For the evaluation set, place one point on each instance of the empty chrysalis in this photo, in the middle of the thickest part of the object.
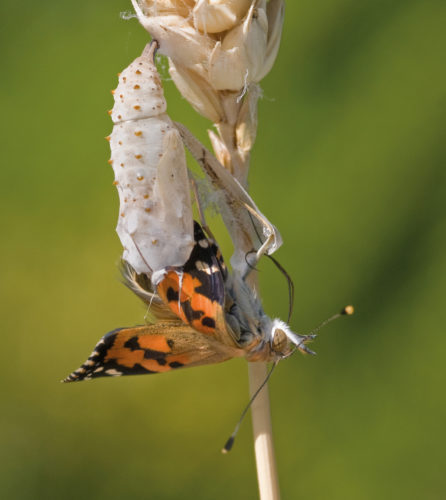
(155, 221)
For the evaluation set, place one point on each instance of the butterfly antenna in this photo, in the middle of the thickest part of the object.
(279, 267)
(346, 311)
(290, 285)
(230, 442)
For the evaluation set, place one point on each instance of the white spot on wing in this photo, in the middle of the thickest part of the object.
(113, 372)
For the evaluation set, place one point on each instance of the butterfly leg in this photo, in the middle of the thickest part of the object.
(266, 245)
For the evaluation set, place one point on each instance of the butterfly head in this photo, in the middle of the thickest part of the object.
(284, 342)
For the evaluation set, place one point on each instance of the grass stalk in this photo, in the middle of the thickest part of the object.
(263, 438)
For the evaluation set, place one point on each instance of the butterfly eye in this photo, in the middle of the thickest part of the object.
(279, 341)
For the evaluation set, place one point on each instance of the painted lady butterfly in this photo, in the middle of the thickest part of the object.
(204, 315)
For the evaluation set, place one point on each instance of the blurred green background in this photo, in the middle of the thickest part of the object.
(349, 164)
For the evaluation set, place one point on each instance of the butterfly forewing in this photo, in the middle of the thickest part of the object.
(151, 349)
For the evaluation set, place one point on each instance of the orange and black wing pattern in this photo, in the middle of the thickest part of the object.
(195, 292)
(151, 349)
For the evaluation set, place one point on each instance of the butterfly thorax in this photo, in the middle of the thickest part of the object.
(261, 338)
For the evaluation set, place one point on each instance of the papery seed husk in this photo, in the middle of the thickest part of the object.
(215, 16)
(196, 90)
(255, 28)
(246, 127)
(227, 69)
(176, 37)
(220, 149)
(163, 7)
(237, 60)
(276, 13)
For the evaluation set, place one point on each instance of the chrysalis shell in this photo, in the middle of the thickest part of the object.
(155, 222)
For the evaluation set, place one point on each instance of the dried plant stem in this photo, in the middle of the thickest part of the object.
(238, 165)
(263, 438)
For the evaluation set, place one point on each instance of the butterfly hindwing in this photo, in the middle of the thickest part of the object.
(151, 349)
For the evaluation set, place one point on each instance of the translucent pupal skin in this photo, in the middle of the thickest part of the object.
(155, 222)
(248, 227)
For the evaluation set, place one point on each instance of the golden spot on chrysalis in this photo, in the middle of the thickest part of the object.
(136, 87)
(138, 133)
(122, 214)
(137, 107)
(120, 143)
(122, 164)
(147, 210)
(145, 196)
(112, 92)
(115, 183)
(110, 111)
(110, 162)
(140, 177)
(119, 74)
(138, 72)
(154, 242)
(138, 157)
(107, 138)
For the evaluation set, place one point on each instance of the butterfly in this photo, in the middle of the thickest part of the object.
(203, 314)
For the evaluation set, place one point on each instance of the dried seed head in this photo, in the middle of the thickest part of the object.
(243, 52)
